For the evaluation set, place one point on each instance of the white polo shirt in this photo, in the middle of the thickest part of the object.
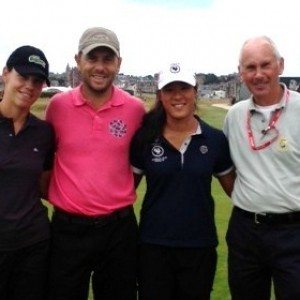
(268, 180)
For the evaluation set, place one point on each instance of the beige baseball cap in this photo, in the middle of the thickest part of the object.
(98, 37)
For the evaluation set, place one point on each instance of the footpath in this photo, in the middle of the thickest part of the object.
(222, 105)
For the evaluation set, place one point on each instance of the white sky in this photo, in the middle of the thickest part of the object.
(205, 34)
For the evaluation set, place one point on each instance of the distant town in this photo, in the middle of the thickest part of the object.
(210, 86)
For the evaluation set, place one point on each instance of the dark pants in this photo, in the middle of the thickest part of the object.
(167, 273)
(102, 251)
(260, 254)
(23, 272)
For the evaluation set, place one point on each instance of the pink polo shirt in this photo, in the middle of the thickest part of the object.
(92, 173)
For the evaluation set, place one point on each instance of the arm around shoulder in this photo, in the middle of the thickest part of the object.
(227, 182)
(137, 179)
(44, 184)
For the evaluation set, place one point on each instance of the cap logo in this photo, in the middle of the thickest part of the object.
(37, 60)
(175, 68)
(99, 37)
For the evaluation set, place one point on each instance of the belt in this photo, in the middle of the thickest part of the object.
(271, 218)
(94, 220)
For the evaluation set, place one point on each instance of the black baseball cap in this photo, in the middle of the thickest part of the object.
(28, 60)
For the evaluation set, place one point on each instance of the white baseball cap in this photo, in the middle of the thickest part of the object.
(176, 72)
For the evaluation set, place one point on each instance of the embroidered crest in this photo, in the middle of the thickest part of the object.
(117, 128)
(157, 151)
(37, 60)
(203, 149)
(174, 68)
(158, 154)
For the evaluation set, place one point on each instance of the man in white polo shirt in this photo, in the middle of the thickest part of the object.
(264, 137)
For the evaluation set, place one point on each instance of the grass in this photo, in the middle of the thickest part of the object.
(213, 116)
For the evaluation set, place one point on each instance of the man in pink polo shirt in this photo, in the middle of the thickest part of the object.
(91, 188)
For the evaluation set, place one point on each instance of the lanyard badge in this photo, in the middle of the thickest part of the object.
(270, 129)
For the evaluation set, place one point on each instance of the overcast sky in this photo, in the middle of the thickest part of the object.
(205, 34)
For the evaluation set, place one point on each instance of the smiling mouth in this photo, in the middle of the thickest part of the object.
(260, 83)
(178, 105)
(98, 76)
(26, 95)
(260, 86)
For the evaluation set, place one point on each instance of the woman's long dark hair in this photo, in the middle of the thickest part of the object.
(152, 126)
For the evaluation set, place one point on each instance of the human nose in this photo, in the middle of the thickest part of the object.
(33, 82)
(99, 65)
(30, 83)
(177, 93)
(258, 72)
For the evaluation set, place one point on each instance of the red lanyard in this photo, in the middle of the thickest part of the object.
(270, 127)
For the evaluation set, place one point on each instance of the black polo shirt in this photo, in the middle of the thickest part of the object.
(178, 208)
(23, 157)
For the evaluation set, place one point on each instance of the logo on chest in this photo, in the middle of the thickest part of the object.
(117, 128)
(158, 153)
(203, 149)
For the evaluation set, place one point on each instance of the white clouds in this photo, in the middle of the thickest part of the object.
(207, 38)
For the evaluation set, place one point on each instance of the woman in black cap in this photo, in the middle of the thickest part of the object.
(26, 154)
(178, 153)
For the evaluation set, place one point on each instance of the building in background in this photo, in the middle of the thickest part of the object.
(293, 83)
